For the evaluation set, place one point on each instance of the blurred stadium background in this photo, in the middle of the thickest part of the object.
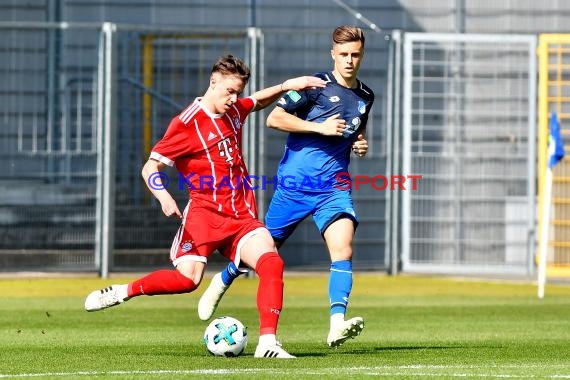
(464, 92)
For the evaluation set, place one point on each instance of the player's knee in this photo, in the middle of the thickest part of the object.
(270, 264)
(186, 284)
(191, 270)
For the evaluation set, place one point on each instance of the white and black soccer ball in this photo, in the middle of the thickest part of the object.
(225, 336)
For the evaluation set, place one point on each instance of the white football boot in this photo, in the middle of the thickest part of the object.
(341, 331)
(107, 297)
(273, 351)
(211, 297)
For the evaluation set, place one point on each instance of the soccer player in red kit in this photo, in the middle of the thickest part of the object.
(204, 143)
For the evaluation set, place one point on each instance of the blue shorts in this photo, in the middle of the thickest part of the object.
(288, 208)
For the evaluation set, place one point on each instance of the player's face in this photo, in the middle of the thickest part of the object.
(226, 90)
(347, 58)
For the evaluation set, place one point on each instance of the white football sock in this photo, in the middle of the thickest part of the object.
(336, 319)
(122, 291)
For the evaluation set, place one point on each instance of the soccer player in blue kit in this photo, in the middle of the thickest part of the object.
(324, 125)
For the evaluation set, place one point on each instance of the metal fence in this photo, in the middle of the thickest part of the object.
(469, 129)
(48, 129)
(82, 104)
(305, 54)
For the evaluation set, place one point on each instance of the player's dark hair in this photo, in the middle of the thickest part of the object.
(231, 65)
(347, 33)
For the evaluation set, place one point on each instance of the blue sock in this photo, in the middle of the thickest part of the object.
(230, 273)
(340, 285)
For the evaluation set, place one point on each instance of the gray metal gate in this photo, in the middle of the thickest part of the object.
(469, 130)
(80, 106)
(49, 112)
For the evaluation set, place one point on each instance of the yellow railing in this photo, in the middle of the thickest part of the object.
(148, 82)
(554, 96)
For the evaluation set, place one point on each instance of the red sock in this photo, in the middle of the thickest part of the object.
(161, 282)
(269, 268)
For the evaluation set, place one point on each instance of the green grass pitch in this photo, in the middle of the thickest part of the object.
(416, 327)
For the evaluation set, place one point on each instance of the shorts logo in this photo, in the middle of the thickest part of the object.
(334, 99)
(361, 106)
(186, 246)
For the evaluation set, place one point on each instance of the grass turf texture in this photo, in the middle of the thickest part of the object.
(416, 327)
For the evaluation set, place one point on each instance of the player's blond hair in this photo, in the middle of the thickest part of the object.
(347, 33)
(231, 65)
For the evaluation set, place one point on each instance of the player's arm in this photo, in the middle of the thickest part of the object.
(284, 121)
(152, 179)
(268, 95)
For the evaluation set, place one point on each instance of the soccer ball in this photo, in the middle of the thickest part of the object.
(225, 336)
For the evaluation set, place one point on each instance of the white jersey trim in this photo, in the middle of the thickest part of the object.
(181, 259)
(187, 115)
(212, 168)
(159, 157)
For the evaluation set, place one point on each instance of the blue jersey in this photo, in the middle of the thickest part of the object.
(312, 161)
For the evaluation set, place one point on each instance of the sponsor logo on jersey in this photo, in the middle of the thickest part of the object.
(361, 106)
(282, 101)
(294, 96)
(334, 99)
(186, 246)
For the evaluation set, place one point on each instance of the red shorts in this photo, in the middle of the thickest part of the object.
(204, 231)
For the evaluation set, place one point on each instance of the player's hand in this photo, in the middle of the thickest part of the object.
(302, 83)
(360, 146)
(170, 208)
(333, 126)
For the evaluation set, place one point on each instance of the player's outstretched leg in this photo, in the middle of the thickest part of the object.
(155, 283)
(215, 291)
(107, 297)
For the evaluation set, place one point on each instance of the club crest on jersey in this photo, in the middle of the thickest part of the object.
(237, 123)
(361, 106)
(334, 99)
(186, 246)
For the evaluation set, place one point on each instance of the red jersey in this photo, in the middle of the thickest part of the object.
(206, 150)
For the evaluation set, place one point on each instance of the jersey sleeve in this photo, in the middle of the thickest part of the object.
(298, 101)
(369, 101)
(174, 144)
(245, 106)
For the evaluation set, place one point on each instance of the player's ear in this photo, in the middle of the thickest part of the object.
(332, 54)
(213, 80)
